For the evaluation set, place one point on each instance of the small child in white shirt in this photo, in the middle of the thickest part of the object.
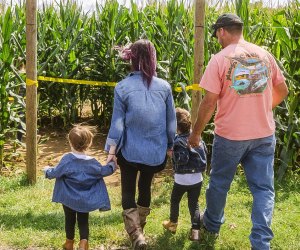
(188, 165)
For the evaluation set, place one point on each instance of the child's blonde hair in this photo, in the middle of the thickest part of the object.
(81, 137)
(184, 122)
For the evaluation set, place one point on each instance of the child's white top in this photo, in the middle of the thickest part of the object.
(82, 156)
(188, 179)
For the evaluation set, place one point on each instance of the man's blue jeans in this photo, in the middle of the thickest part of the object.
(257, 159)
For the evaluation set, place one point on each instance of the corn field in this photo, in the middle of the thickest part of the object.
(79, 45)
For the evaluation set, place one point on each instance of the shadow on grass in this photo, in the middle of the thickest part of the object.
(161, 192)
(29, 220)
(283, 189)
(13, 183)
(169, 241)
(51, 221)
(227, 248)
(112, 219)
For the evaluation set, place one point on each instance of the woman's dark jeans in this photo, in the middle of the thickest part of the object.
(129, 172)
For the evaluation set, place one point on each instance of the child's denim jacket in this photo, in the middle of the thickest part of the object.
(79, 183)
(188, 160)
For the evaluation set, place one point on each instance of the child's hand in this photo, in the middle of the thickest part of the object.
(45, 169)
(115, 167)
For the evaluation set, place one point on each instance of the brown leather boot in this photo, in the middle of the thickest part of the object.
(133, 227)
(143, 213)
(83, 245)
(68, 245)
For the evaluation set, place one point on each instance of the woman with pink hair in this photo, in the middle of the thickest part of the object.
(142, 130)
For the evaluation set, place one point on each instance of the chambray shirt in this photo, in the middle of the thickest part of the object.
(79, 183)
(143, 123)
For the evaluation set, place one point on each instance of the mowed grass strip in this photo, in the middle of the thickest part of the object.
(29, 220)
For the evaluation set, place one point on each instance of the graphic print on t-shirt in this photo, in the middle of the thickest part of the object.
(248, 73)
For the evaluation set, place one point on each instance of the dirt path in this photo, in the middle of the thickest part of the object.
(52, 145)
(52, 150)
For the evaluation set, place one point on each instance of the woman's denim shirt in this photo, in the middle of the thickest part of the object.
(79, 183)
(143, 123)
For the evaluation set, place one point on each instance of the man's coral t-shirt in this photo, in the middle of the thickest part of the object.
(243, 75)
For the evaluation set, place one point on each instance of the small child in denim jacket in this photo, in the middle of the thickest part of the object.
(188, 165)
(79, 185)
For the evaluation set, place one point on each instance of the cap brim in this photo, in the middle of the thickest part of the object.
(214, 27)
(214, 34)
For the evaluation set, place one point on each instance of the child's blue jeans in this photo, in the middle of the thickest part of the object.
(257, 159)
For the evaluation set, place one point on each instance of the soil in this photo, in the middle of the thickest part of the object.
(52, 144)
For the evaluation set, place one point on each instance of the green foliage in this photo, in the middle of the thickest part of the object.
(288, 54)
(60, 55)
(281, 38)
(9, 78)
(78, 45)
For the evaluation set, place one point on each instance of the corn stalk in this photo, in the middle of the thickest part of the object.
(78, 45)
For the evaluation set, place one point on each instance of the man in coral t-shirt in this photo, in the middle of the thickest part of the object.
(245, 83)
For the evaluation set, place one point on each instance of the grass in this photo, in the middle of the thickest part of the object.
(29, 220)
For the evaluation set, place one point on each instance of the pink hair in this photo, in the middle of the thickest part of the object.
(143, 58)
(124, 52)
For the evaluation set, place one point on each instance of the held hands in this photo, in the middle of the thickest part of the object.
(112, 158)
(45, 169)
(194, 140)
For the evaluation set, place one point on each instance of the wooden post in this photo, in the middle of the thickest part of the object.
(31, 90)
(198, 54)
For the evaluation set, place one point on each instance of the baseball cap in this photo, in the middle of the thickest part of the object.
(224, 20)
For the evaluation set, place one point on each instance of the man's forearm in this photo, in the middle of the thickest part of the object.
(205, 113)
(277, 99)
(280, 92)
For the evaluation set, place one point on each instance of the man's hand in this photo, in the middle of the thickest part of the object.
(194, 140)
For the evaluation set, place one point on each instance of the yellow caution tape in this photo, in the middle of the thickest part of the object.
(30, 82)
(74, 81)
(194, 86)
(110, 84)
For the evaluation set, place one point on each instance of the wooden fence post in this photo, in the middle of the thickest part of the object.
(198, 54)
(31, 90)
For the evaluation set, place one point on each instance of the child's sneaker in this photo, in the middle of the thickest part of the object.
(171, 226)
(194, 235)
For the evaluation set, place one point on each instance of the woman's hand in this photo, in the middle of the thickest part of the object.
(111, 157)
(170, 152)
